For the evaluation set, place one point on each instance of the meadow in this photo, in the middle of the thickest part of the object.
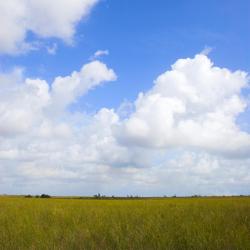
(167, 223)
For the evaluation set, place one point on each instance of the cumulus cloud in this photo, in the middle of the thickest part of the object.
(181, 136)
(57, 19)
(41, 138)
(26, 102)
(195, 104)
(66, 90)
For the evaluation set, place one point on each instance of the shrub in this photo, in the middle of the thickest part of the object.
(45, 196)
(28, 196)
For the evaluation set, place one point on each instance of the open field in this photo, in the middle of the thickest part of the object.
(170, 223)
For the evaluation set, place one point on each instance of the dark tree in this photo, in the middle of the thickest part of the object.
(45, 196)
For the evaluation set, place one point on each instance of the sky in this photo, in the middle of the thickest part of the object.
(128, 97)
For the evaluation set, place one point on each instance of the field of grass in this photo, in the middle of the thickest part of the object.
(171, 223)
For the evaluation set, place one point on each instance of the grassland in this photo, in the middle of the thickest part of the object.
(171, 223)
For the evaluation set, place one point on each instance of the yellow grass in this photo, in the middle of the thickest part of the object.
(172, 223)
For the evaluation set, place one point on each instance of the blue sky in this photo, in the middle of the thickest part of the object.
(143, 40)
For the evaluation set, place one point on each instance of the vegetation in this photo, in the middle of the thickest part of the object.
(45, 196)
(167, 223)
(37, 196)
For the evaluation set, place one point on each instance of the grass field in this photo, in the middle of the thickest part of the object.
(171, 223)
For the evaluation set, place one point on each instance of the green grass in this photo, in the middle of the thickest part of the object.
(178, 223)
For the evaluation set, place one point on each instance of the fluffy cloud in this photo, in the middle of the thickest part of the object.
(57, 18)
(181, 136)
(28, 102)
(65, 90)
(41, 138)
(195, 104)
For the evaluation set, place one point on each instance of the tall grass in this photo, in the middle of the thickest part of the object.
(179, 223)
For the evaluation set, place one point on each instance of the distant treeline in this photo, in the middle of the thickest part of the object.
(99, 196)
(38, 196)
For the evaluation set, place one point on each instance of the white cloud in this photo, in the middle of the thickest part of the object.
(52, 49)
(41, 139)
(99, 53)
(195, 104)
(206, 51)
(27, 102)
(57, 19)
(66, 90)
(180, 137)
